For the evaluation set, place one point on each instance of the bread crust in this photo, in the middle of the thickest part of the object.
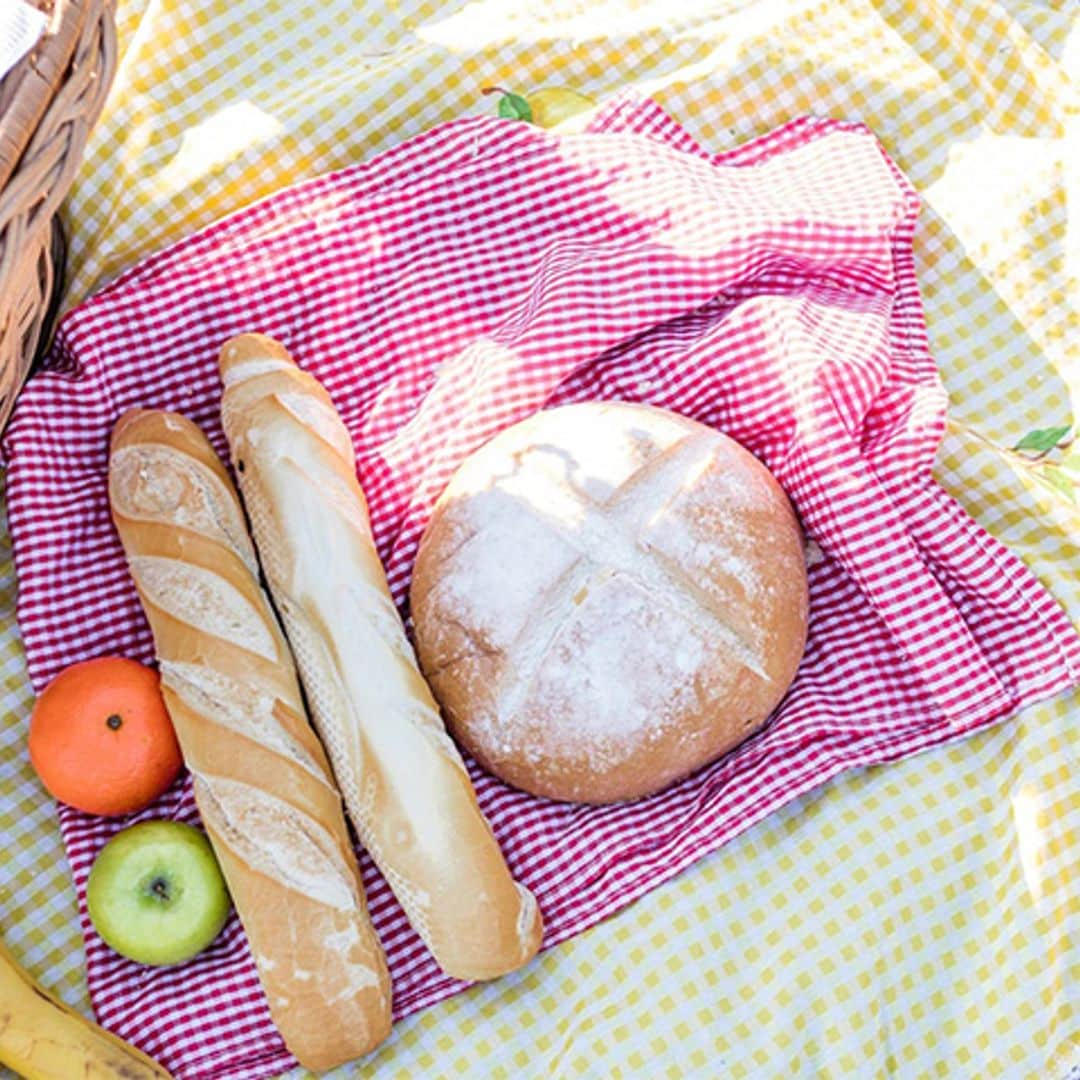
(405, 786)
(607, 597)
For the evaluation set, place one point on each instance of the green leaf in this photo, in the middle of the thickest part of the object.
(514, 107)
(1052, 477)
(1043, 439)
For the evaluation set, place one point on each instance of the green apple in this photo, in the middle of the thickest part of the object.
(156, 894)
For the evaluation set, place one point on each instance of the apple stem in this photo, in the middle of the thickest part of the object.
(114, 722)
(160, 888)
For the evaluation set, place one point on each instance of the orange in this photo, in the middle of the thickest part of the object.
(101, 739)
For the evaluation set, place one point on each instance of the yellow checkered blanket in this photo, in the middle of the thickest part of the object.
(917, 920)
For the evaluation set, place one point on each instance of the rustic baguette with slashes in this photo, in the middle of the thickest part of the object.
(262, 782)
(404, 783)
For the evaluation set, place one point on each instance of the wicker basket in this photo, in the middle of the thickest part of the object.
(48, 103)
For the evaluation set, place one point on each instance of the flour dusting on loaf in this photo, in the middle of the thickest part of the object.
(275, 839)
(607, 597)
(320, 418)
(243, 708)
(153, 482)
(203, 598)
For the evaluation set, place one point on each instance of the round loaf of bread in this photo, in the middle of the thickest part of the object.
(607, 597)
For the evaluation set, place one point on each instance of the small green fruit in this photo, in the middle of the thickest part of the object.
(156, 894)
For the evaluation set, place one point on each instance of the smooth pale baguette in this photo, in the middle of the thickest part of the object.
(405, 786)
(262, 782)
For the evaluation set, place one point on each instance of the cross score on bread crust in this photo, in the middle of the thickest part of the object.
(607, 596)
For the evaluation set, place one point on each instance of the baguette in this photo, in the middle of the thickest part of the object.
(405, 786)
(262, 782)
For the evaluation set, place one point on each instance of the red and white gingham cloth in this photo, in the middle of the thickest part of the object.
(454, 285)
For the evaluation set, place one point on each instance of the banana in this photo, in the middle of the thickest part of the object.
(42, 1039)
